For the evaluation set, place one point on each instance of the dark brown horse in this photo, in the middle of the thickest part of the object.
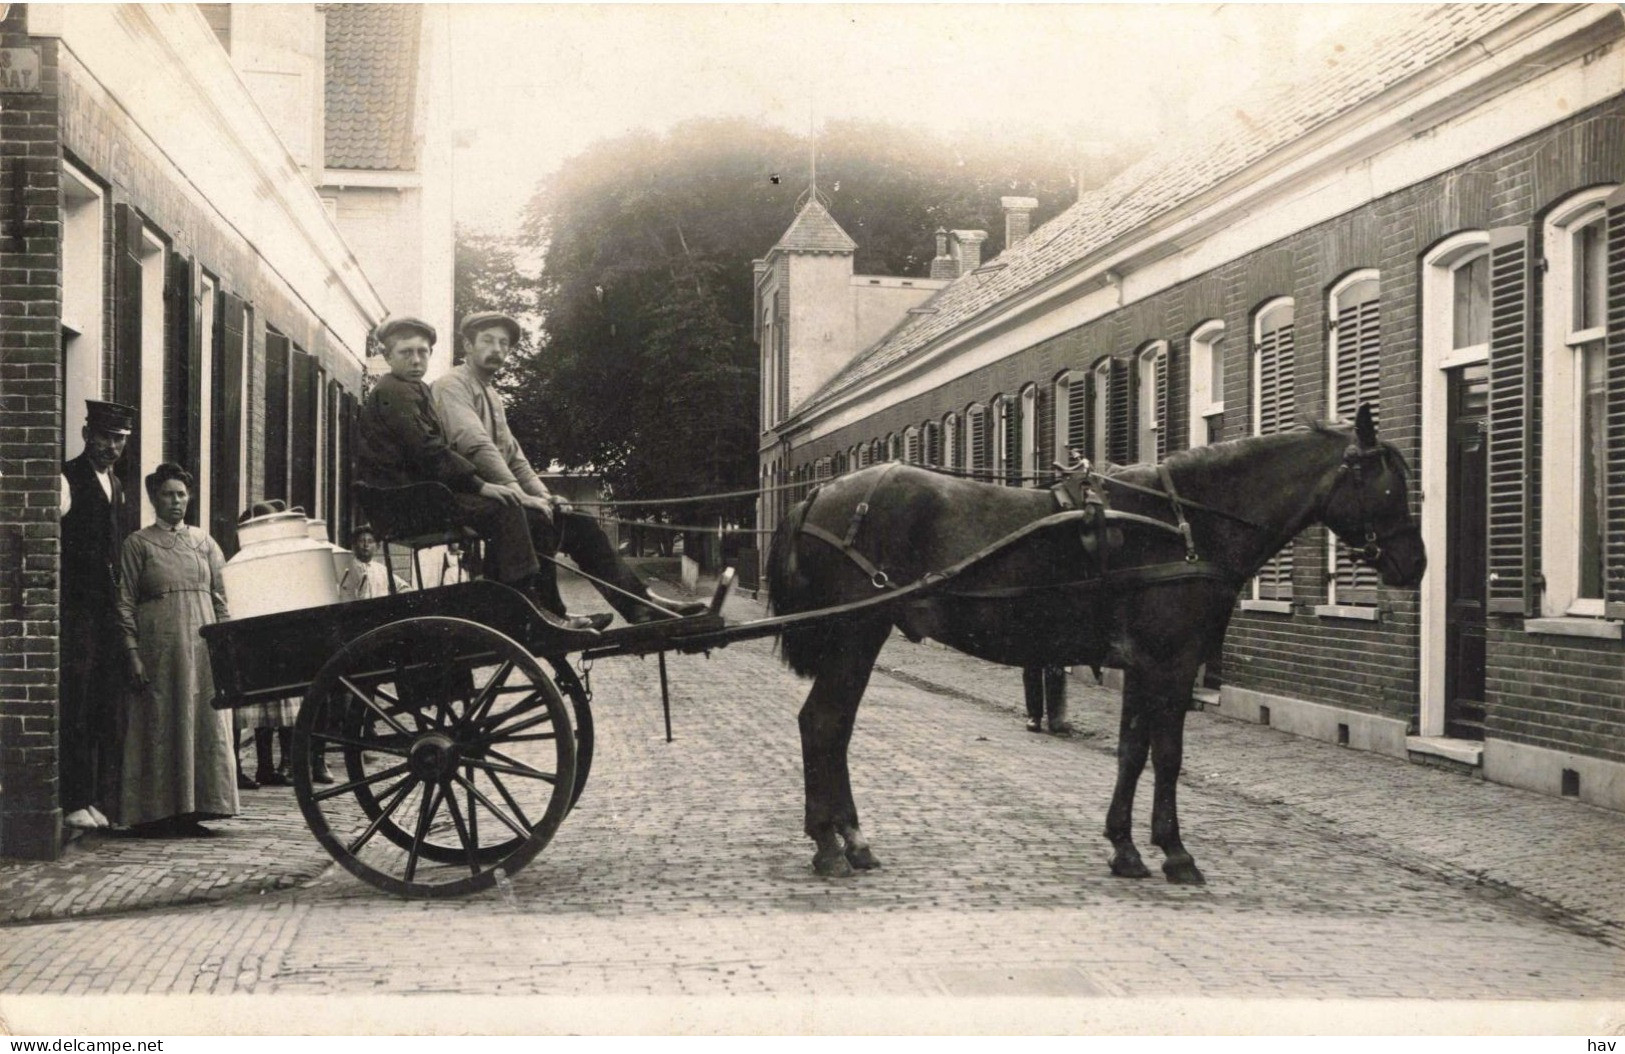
(1148, 600)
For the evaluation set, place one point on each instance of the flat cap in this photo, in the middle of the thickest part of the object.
(113, 418)
(475, 321)
(394, 324)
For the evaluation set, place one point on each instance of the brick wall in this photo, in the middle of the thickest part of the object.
(30, 457)
(1372, 666)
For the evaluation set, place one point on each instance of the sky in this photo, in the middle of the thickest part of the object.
(533, 85)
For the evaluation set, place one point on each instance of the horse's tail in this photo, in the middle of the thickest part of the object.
(789, 591)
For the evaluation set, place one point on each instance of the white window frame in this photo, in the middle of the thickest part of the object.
(208, 297)
(998, 449)
(1145, 362)
(1206, 397)
(950, 438)
(1256, 417)
(1439, 355)
(1334, 308)
(1561, 399)
(150, 422)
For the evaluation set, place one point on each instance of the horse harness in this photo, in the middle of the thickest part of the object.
(1079, 501)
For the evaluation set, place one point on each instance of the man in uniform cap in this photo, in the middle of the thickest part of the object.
(93, 663)
(477, 428)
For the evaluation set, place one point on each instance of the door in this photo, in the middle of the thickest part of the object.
(1465, 565)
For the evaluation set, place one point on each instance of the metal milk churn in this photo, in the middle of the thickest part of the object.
(341, 556)
(280, 567)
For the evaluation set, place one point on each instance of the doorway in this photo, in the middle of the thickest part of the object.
(1465, 557)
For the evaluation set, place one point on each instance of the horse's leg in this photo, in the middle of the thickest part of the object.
(826, 722)
(1133, 739)
(1167, 754)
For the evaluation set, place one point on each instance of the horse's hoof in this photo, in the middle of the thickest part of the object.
(832, 865)
(1183, 872)
(862, 858)
(1129, 867)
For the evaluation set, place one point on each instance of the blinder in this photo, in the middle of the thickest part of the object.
(1355, 459)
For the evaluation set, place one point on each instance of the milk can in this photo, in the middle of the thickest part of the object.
(341, 557)
(280, 567)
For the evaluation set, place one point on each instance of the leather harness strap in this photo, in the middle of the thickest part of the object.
(1179, 512)
(878, 578)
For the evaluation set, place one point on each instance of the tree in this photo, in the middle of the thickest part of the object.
(646, 369)
(491, 274)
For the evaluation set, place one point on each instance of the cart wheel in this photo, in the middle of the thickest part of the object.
(459, 757)
(568, 683)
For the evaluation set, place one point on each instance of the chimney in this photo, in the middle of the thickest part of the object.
(967, 249)
(942, 266)
(1018, 219)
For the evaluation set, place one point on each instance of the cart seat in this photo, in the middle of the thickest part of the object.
(415, 517)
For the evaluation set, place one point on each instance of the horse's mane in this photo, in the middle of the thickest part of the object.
(1220, 455)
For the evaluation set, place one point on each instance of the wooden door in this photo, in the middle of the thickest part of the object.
(1466, 550)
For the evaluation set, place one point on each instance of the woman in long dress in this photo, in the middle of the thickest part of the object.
(178, 750)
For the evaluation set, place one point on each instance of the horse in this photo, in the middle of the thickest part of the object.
(1149, 590)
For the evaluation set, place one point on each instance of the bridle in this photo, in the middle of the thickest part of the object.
(1356, 458)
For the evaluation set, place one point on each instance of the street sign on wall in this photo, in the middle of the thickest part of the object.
(19, 70)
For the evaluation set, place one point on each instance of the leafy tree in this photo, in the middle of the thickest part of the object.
(646, 368)
(491, 274)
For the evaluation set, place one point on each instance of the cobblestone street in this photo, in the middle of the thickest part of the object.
(683, 872)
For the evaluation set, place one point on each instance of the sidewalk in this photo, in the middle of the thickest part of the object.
(1555, 856)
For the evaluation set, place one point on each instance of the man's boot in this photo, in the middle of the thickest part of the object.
(265, 773)
(1032, 685)
(318, 765)
(1055, 700)
(284, 740)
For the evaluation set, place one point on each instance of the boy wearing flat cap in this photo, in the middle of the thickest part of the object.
(477, 428)
(93, 666)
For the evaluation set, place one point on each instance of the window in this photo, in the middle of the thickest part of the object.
(976, 449)
(150, 425)
(1152, 366)
(911, 445)
(1024, 465)
(931, 440)
(1207, 384)
(1353, 355)
(1000, 446)
(951, 454)
(1071, 416)
(1274, 406)
(894, 449)
(1574, 421)
(1100, 411)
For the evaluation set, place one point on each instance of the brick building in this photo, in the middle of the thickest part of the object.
(164, 244)
(1431, 221)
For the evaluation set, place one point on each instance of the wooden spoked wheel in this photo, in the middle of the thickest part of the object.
(565, 679)
(459, 758)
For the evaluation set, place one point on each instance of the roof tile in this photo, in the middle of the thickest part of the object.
(372, 61)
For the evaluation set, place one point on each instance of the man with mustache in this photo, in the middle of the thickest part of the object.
(92, 659)
(477, 428)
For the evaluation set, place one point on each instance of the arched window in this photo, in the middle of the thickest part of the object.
(976, 445)
(1151, 401)
(1071, 415)
(911, 445)
(952, 457)
(1024, 465)
(1274, 407)
(1207, 383)
(1574, 406)
(1353, 357)
(1100, 411)
(894, 448)
(931, 443)
(999, 438)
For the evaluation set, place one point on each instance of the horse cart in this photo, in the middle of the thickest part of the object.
(465, 733)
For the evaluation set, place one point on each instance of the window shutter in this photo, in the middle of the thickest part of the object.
(911, 446)
(302, 432)
(1164, 421)
(182, 402)
(276, 416)
(225, 466)
(1012, 441)
(1358, 347)
(1077, 412)
(335, 454)
(1276, 408)
(349, 416)
(1044, 429)
(978, 440)
(127, 347)
(933, 443)
(1120, 406)
(1090, 382)
(1514, 501)
(1614, 583)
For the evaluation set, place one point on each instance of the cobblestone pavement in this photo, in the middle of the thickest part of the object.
(1332, 874)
